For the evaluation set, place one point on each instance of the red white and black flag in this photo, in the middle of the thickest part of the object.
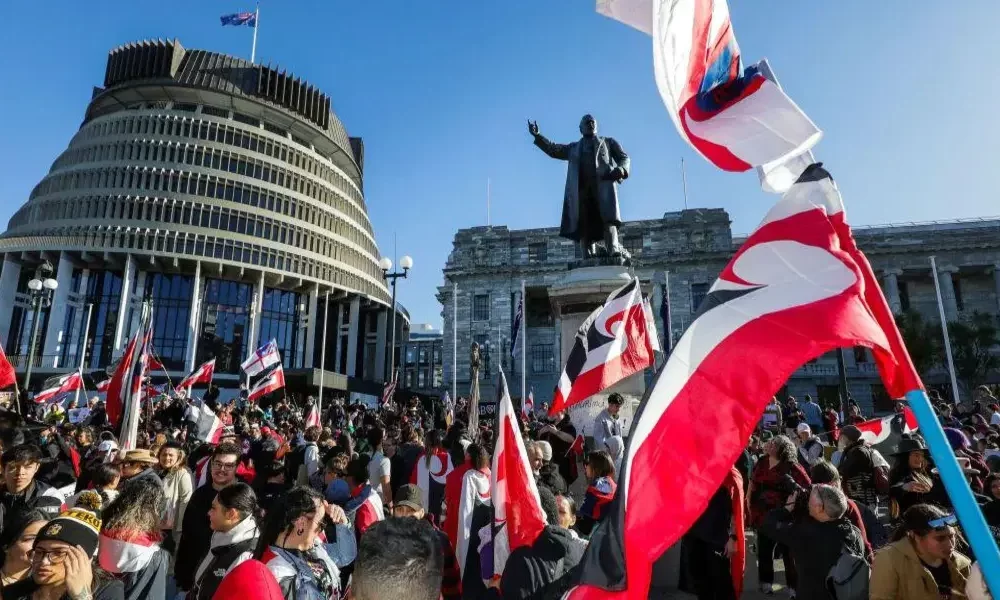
(616, 341)
(798, 287)
(273, 381)
(56, 386)
(124, 401)
(312, 417)
(388, 391)
(203, 374)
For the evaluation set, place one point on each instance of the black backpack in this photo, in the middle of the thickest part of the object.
(293, 460)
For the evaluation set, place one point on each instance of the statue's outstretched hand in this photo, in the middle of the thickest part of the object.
(533, 128)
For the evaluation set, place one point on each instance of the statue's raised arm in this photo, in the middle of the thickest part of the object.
(556, 151)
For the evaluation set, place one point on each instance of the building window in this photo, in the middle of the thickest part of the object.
(411, 355)
(224, 324)
(633, 244)
(104, 289)
(698, 293)
(860, 355)
(423, 355)
(421, 379)
(171, 296)
(538, 252)
(904, 296)
(957, 284)
(481, 307)
(280, 321)
(542, 359)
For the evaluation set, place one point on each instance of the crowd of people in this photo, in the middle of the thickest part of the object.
(279, 509)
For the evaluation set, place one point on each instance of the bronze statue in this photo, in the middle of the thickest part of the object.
(590, 203)
(474, 363)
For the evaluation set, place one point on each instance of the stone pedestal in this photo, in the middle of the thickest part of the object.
(573, 298)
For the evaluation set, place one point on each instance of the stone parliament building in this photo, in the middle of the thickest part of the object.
(689, 248)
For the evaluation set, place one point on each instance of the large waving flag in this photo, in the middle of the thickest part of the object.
(518, 518)
(203, 374)
(797, 288)
(616, 341)
(7, 376)
(737, 118)
(243, 18)
(124, 400)
(56, 386)
(274, 381)
(262, 358)
(210, 426)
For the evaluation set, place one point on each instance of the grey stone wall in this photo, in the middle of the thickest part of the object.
(689, 248)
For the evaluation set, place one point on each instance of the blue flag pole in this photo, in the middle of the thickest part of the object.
(966, 507)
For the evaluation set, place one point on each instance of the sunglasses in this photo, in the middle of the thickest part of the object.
(945, 521)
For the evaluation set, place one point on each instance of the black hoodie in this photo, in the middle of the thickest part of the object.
(543, 570)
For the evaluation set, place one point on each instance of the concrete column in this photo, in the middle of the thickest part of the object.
(996, 285)
(10, 273)
(79, 321)
(311, 325)
(137, 297)
(945, 275)
(890, 282)
(381, 330)
(197, 289)
(56, 333)
(340, 332)
(257, 304)
(123, 304)
(352, 337)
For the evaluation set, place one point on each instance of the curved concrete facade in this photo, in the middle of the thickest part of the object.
(202, 166)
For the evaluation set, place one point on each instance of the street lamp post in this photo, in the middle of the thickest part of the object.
(406, 263)
(40, 290)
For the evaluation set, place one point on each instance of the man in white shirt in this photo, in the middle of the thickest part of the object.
(608, 423)
(379, 468)
(995, 417)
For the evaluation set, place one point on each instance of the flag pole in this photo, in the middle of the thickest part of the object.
(944, 330)
(83, 348)
(454, 342)
(966, 507)
(524, 344)
(256, 24)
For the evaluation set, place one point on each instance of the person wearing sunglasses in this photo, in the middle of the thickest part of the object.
(921, 563)
(62, 560)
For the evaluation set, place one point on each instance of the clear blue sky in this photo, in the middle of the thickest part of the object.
(440, 91)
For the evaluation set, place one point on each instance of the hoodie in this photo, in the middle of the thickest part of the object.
(227, 551)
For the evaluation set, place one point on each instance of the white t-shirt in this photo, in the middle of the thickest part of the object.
(995, 419)
(378, 468)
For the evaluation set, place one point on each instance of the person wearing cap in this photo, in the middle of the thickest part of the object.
(857, 467)
(62, 560)
(608, 421)
(810, 446)
(921, 563)
(408, 503)
(910, 480)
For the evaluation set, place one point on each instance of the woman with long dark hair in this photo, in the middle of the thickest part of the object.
(775, 478)
(600, 472)
(921, 563)
(910, 480)
(290, 546)
(234, 538)
(16, 542)
(130, 539)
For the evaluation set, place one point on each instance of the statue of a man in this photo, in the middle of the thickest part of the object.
(590, 203)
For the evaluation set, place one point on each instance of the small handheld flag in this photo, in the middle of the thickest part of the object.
(264, 357)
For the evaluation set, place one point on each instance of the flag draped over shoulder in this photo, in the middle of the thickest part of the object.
(797, 288)
(616, 341)
(736, 117)
(518, 518)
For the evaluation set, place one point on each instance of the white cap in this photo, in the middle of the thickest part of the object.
(803, 428)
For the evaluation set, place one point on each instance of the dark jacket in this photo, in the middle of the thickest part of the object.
(196, 536)
(33, 497)
(550, 477)
(543, 570)
(857, 471)
(23, 590)
(150, 582)
(815, 547)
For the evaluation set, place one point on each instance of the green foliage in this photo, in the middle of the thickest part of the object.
(922, 339)
(972, 341)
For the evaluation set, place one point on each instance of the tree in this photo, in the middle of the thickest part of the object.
(922, 339)
(972, 342)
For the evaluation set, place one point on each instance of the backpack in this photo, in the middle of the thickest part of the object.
(848, 577)
(293, 461)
